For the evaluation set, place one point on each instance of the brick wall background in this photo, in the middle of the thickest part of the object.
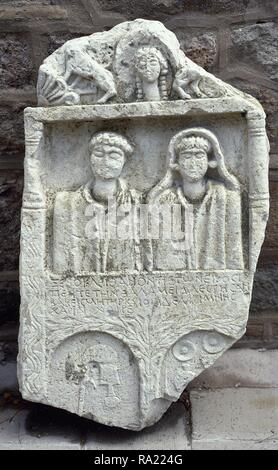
(237, 40)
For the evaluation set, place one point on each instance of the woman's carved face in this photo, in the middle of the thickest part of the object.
(148, 67)
(107, 161)
(193, 163)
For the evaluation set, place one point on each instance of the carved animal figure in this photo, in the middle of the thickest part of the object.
(187, 81)
(82, 65)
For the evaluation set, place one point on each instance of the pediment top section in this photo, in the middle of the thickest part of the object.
(136, 61)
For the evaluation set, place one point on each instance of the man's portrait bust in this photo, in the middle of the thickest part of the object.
(77, 243)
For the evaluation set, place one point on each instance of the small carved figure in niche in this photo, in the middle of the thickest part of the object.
(101, 370)
(186, 84)
(78, 241)
(151, 74)
(212, 199)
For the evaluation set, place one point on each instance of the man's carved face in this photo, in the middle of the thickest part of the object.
(107, 161)
(193, 163)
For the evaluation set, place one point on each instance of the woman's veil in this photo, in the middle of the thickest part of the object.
(217, 158)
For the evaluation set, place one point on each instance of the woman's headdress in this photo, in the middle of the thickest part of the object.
(195, 136)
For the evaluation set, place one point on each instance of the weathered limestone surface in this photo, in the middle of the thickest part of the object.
(115, 322)
(206, 31)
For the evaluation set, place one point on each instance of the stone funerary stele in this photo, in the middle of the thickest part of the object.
(144, 211)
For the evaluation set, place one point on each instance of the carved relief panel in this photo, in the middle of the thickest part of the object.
(142, 223)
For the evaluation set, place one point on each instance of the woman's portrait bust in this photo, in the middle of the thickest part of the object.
(198, 179)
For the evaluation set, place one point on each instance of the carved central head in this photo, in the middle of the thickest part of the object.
(192, 157)
(108, 153)
(149, 62)
(151, 68)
